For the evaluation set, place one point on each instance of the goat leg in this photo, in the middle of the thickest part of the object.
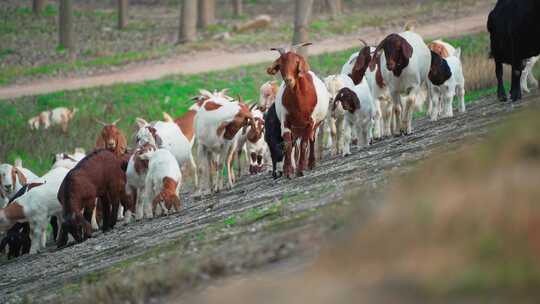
(501, 93)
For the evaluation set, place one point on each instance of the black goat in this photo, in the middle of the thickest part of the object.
(272, 136)
(514, 28)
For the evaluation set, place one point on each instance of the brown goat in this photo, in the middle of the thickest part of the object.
(112, 139)
(99, 175)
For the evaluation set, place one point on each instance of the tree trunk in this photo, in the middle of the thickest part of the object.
(38, 6)
(237, 8)
(122, 13)
(188, 21)
(334, 7)
(65, 24)
(301, 17)
(207, 13)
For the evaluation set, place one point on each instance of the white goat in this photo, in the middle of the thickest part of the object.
(36, 207)
(335, 120)
(162, 182)
(169, 136)
(256, 148)
(68, 161)
(136, 172)
(359, 114)
(13, 178)
(405, 63)
(442, 96)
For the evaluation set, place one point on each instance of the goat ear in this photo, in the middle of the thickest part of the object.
(303, 67)
(141, 122)
(458, 53)
(273, 69)
(121, 144)
(406, 49)
(100, 122)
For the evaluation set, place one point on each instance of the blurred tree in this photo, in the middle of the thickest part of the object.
(237, 7)
(207, 13)
(38, 6)
(188, 21)
(122, 13)
(65, 24)
(302, 12)
(334, 6)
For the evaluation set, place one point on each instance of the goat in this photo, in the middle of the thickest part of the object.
(217, 124)
(359, 114)
(301, 105)
(511, 24)
(68, 161)
(162, 182)
(136, 178)
(358, 68)
(36, 207)
(176, 135)
(99, 175)
(442, 48)
(13, 178)
(256, 147)
(442, 96)
(528, 75)
(405, 63)
(267, 95)
(335, 121)
(58, 116)
(111, 138)
(272, 137)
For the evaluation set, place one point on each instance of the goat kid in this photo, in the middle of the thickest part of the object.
(442, 96)
(36, 207)
(335, 120)
(359, 114)
(162, 182)
(136, 172)
(13, 178)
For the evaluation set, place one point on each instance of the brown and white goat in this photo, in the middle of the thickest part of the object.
(58, 116)
(301, 105)
(112, 139)
(99, 175)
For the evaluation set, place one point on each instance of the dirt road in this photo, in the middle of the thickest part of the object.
(44, 275)
(214, 60)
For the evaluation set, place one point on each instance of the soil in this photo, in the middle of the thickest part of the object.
(207, 61)
(43, 276)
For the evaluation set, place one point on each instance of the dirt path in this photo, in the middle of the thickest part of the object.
(213, 61)
(42, 276)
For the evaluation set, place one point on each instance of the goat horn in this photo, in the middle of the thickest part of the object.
(116, 121)
(280, 50)
(240, 99)
(295, 47)
(363, 41)
(100, 122)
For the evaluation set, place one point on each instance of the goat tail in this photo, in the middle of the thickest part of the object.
(167, 117)
(411, 25)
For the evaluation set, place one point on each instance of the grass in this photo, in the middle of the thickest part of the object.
(151, 98)
(149, 35)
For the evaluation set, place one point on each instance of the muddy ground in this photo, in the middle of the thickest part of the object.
(258, 223)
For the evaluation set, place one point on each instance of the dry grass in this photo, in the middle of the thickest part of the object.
(460, 228)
